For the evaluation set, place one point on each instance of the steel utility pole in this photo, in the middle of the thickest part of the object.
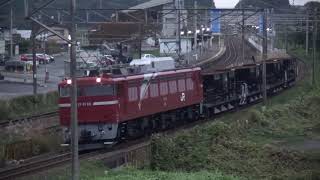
(140, 40)
(74, 113)
(242, 34)
(264, 57)
(307, 35)
(195, 16)
(11, 31)
(286, 39)
(314, 42)
(178, 34)
(34, 57)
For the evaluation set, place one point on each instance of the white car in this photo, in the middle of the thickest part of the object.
(43, 58)
(148, 56)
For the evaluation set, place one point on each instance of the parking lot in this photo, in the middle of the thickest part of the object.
(13, 85)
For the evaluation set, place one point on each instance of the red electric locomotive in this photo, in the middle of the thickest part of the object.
(116, 107)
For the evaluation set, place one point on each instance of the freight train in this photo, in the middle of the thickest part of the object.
(112, 108)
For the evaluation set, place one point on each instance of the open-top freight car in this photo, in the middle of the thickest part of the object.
(226, 89)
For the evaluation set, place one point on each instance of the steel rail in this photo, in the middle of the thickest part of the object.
(6, 123)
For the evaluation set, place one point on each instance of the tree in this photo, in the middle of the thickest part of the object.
(264, 4)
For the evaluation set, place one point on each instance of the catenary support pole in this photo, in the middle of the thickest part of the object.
(34, 59)
(307, 35)
(286, 39)
(195, 16)
(11, 30)
(264, 57)
(140, 40)
(314, 42)
(242, 35)
(74, 113)
(178, 13)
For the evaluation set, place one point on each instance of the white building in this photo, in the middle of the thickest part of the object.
(168, 46)
(167, 17)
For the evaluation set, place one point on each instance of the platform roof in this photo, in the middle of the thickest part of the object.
(149, 4)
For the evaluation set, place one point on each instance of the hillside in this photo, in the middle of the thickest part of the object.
(264, 4)
(64, 4)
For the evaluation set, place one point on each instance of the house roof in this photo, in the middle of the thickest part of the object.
(149, 4)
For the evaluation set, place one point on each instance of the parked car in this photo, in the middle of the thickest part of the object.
(50, 57)
(26, 57)
(41, 58)
(12, 66)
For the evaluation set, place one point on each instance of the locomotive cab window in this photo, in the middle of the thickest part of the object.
(97, 90)
(64, 91)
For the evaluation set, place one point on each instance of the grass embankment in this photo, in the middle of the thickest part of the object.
(257, 143)
(280, 141)
(28, 105)
(22, 140)
(97, 171)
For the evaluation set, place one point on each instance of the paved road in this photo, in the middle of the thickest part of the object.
(11, 88)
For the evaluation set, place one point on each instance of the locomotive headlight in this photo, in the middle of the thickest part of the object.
(69, 81)
(98, 80)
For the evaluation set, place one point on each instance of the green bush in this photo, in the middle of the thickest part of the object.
(28, 105)
(44, 144)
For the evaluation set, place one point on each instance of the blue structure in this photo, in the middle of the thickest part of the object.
(261, 24)
(215, 21)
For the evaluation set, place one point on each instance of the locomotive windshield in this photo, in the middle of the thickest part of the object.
(97, 90)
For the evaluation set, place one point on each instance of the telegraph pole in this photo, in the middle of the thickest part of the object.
(74, 113)
(242, 33)
(178, 35)
(34, 57)
(314, 42)
(140, 40)
(11, 31)
(286, 39)
(307, 35)
(264, 57)
(195, 25)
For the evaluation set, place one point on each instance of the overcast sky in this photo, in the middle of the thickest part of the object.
(232, 3)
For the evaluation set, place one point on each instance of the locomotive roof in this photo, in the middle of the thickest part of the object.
(109, 78)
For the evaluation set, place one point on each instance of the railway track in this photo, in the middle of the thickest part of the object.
(232, 56)
(65, 158)
(36, 166)
(39, 117)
